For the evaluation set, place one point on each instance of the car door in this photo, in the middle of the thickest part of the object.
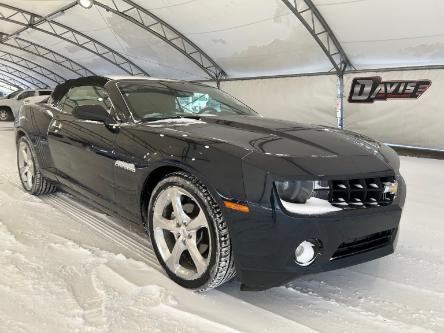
(82, 150)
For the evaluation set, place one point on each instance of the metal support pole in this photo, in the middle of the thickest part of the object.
(340, 99)
(219, 78)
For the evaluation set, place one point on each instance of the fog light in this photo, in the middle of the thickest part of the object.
(306, 253)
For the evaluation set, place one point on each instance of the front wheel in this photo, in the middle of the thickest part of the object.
(188, 233)
(5, 114)
(29, 170)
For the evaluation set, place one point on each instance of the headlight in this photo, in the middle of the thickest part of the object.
(299, 191)
(295, 191)
(305, 197)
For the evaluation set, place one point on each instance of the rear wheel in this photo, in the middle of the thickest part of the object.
(188, 233)
(5, 114)
(29, 170)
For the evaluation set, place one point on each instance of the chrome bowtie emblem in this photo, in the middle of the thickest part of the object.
(391, 188)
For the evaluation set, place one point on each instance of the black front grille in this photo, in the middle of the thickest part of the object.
(363, 244)
(361, 193)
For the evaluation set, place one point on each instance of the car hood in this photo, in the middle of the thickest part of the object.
(269, 136)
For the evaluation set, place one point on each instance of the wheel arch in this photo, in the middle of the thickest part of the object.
(19, 133)
(159, 172)
(8, 109)
(42, 157)
(151, 180)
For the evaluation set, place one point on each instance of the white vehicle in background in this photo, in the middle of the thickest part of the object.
(10, 105)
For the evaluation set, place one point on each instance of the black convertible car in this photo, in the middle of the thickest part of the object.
(220, 190)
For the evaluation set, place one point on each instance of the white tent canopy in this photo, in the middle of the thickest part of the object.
(242, 37)
(45, 42)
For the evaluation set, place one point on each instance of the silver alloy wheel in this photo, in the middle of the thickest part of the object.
(26, 165)
(4, 115)
(182, 233)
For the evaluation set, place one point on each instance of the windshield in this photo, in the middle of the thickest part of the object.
(15, 93)
(159, 99)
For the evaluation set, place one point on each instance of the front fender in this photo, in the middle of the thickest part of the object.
(33, 122)
(219, 167)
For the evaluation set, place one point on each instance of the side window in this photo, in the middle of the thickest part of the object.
(85, 95)
(25, 94)
(45, 92)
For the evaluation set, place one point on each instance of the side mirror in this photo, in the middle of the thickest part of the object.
(93, 113)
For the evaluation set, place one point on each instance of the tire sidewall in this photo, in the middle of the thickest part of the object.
(34, 164)
(182, 182)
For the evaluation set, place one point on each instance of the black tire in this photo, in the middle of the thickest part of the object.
(6, 114)
(221, 267)
(40, 185)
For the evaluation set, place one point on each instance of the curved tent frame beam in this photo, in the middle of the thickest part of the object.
(8, 85)
(47, 25)
(47, 54)
(32, 66)
(23, 76)
(6, 88)
(12, 79)
(146, 20)
(314, 22)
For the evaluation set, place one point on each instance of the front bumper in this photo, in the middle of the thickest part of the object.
(264, 241)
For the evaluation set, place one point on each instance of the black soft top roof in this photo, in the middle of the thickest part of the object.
(63, 88)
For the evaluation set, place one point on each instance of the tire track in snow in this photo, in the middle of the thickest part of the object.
(143, 250)
(370, 318)
(397, 304)
(66, 205)
(412, 287)
(324, 314)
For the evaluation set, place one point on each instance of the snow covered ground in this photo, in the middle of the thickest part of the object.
(67, 268)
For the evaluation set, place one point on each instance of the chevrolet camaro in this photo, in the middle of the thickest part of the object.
(220, 190)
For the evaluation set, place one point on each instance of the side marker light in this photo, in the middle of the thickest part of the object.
(237, 207)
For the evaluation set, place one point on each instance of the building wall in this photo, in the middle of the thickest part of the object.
(415, 122)
(308, 99)
(312, 99)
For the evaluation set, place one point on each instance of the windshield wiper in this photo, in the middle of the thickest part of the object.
(147, 119)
